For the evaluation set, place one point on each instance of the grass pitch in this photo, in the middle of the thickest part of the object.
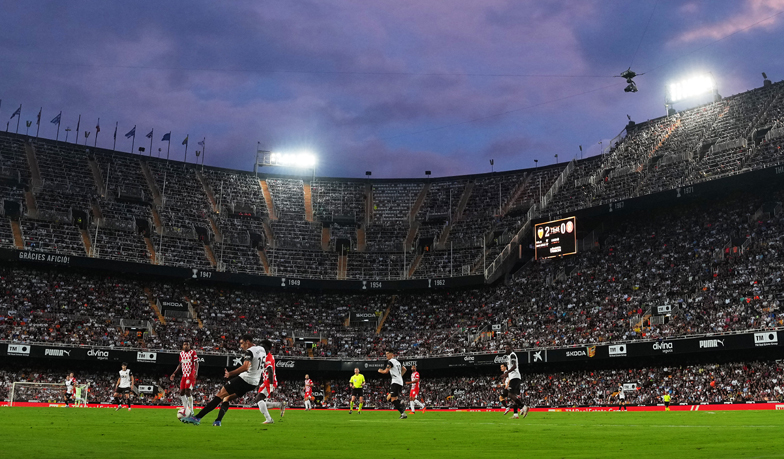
(66, 433)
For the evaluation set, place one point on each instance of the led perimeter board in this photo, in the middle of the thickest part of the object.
(556, 238)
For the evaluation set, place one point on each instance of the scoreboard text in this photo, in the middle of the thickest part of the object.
(556, 238)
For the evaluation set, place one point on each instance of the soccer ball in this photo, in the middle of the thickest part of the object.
(182, 413)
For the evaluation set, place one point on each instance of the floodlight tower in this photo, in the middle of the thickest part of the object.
(302, 160)
(690, 88)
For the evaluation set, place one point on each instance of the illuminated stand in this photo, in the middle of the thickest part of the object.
(689, 89)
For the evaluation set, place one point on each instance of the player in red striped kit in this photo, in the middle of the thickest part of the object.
(268, 386)
(415, 390)
(308, 393)
(189, 363)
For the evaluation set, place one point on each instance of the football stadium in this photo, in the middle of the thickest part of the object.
(271, 228)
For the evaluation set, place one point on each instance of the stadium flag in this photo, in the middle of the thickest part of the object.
(132, 135)
(202, 144)
(78, 123)
(38, 122)
(185, 142)
(117, 123)
(56, 120)
(167, 138)
(97, 130)
(149, 136)
(18, 113)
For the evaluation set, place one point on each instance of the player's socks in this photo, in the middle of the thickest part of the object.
(209, 407)
(190, 404)
(360, 406)
(222, 412)
(307, 404)
(184, 399)
(412, 406)
(351, 406)
(264, 410)
(399, 406)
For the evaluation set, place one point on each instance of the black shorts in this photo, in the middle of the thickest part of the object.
(357, 392)
(514, 386)
(238, 386)
(395, 390)
(666, 404)
(504, 393)
(123, 390)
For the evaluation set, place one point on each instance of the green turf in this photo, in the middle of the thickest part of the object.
(65, 433)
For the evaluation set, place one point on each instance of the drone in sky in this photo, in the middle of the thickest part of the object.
(629, 75)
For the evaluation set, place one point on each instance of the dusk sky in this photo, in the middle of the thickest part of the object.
(395, 87)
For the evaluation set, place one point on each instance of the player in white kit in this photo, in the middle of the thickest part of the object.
(123, 387)
(70, 388)
(268, 386)
(241, 381)
(395, 370)
(513, 372)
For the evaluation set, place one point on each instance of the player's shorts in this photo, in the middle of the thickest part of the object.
(666, 404)
(238, 386)
(187, 382)
(358, 392)
(514, 386)
(504, 393)
(266, 389)
(414, 394)
(308, 393)
(123, 390)
(395, 390)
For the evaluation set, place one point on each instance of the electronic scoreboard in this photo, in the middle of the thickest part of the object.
(556, 238)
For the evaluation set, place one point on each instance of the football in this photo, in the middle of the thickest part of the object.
(182, 413)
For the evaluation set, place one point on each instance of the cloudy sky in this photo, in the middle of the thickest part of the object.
(391, 86)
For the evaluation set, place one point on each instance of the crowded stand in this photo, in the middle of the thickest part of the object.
(756, 381)
(332, 198)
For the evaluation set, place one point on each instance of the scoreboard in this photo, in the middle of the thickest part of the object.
(556, 238)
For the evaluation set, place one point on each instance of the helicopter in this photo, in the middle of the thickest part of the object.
(629, 75)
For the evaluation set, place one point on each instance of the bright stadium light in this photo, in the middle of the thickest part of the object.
(296, 160)
(690, 87)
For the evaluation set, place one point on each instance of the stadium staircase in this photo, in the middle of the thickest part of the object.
(418, 203)
(150, 250)
(368, 203)
(210, 255)
(32, 162)
(264, 261)
(156, 193)
(193, 312)
(215, 230)
(88, 246)
(268, 232)
(265, 191)
(308, 201)
(518, 190)
(342, 266)
(324, 238)
(97, 176)
(361, 239)
(415, 265)
(156, 219)
(151, 300)
(32, 205)
(412, 232)
(208, 191)
(392, 301)
(17, 231)
(442, 238)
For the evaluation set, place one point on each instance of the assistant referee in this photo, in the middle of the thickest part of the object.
(357, 383)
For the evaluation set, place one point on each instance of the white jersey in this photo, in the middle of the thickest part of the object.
(395, 371)
(256, 356)
(125, 378)
(621, 395)
(69, 385)
(511, 360)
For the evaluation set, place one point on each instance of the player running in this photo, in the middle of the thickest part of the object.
(504, 385)
(414, 390)
(189, 363)
(123, 387)
(513, 372)
(241, 381)
(357, 382)
(308, 393)
(268, 386)
(621, 399)
(395, 370)
(70, 388)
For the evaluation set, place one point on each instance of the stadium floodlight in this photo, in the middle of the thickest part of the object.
(296, 160)
(690, 87)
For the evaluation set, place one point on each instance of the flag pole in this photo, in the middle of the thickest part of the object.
(168, 147)
(203, 152)
(59, 120)
(152, 134)
(186, 148)
(133, 142)
(116, 124)
(78, 123)
(97, 130)
(38, 129)
(19, 119)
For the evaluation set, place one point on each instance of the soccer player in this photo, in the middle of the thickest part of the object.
(268, 386)
(308, 393)
(513, 372)
(357, 382)
(504, 385)
(395, 370)
(189, 363)
(666, 399)
(241, 381)
(70, 388)
(414, 390)
(621, 399)
(123, 387)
